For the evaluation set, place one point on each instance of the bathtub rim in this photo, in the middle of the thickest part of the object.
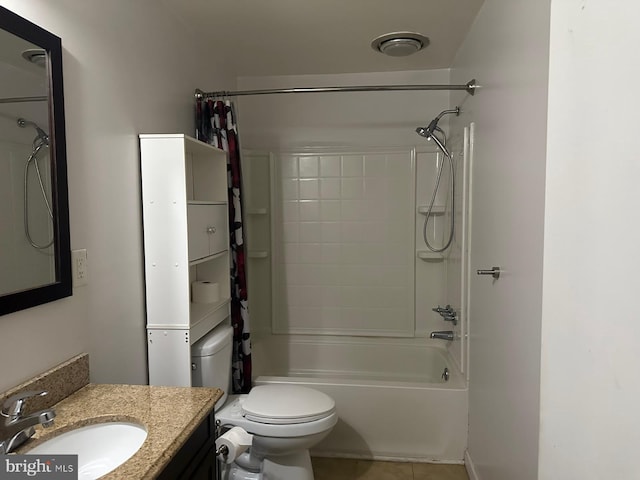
(456, 381)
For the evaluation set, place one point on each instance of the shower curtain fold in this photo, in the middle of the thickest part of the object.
(215, 124)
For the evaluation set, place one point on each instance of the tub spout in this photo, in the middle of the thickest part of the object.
(443, 335)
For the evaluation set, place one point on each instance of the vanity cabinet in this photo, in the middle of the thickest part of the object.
(185, 223)
(196, 459)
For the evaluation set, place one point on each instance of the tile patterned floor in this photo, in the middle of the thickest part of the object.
(347, 469)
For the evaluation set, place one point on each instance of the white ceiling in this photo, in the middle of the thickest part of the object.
(295, 37)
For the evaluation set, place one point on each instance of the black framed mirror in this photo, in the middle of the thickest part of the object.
(35, 257)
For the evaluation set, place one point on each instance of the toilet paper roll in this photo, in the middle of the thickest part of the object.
(236, 441)
(205, 292)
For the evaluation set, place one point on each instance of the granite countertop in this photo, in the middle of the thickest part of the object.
(170, 415)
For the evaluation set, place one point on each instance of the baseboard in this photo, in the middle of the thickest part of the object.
(471, 469)
(383, 458)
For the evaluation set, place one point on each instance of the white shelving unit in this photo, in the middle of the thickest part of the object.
(185, 219)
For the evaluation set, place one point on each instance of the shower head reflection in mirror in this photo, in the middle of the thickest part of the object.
(40, 141)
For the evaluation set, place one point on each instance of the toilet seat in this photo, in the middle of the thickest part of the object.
(232, 414)
(286, 405)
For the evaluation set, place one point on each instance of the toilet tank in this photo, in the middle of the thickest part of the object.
(211, 360)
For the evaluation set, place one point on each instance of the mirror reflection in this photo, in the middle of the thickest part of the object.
(35, 263)
(26, 212)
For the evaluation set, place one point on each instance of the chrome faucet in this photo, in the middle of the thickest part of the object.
(447, 313)
(16, 428)
(443, 335)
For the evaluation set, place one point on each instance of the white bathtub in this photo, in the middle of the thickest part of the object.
(419, 418)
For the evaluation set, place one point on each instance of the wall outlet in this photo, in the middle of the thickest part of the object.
(79, 267)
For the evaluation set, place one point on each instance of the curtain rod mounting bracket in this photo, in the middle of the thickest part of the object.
(471, 86)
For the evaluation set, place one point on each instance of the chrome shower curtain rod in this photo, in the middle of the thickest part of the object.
(469, 87)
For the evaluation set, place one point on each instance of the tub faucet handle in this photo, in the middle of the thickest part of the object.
(448, 310)
(447, 313)
(453, 318)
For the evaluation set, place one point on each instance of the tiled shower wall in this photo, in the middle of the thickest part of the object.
(343, 243)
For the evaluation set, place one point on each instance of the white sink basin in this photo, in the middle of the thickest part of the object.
(100, 448)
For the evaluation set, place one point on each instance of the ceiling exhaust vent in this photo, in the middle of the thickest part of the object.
(400, 44)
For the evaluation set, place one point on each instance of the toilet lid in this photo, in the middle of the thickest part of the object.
(286, 404)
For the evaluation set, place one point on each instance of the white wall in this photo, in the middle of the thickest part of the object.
(339, 119)
(590, 330)
(129, 68)
(507, 51)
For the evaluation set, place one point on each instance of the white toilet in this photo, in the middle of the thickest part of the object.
(284, 420)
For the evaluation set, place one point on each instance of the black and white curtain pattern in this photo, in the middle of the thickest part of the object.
(216, 125)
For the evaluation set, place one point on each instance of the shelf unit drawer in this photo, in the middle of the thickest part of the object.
(208, 231)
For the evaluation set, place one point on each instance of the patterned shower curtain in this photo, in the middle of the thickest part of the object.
(215, 124)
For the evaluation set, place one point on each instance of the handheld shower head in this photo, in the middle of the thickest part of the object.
(42, 136)
(428, 132)
(430, 136)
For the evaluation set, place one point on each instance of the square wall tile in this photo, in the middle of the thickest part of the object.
(330, 232)
(330, 275)
(309, 189)
(310, 232)
(352, 188)
(309, 167)
(352, 166)
(310, 253)
(330, 166)
(329, 188)
(288, 166)
(309, 211)
(331, 252)
(375, 165)
(290, 253)
(290, 212)
(399, 165)
(308, 274)
(352, 232)
(354, 253)
(372, 232)
(352, 210)
(289, 188)
(290, 232)
(330, 210)
(292, 273)
(330, 296)
(375, 188)
(354, 296)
